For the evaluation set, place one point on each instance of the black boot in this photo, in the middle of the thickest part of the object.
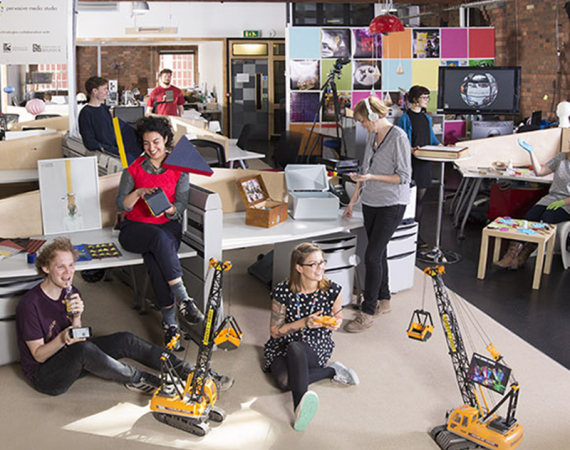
(507, 261)
(190, 311)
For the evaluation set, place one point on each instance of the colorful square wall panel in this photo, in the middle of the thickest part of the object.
(304, 42)
(426, 43)
(367, 74)
(481, 43)
(396, 74)
(345, 81)
(336, 43)
(366, 45)
(304, 106)
(397, 45)
(425, 73)
(454, 43)
(304, 74)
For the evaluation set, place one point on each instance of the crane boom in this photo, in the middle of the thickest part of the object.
(454, 339)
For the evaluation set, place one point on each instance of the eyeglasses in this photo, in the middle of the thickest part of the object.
(425, 97)
(314, 265)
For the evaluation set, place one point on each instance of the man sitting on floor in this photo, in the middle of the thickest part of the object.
(53, 360)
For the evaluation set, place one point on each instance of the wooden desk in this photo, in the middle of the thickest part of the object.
(496, 230)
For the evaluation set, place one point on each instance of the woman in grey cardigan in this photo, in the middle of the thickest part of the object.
(383, 186)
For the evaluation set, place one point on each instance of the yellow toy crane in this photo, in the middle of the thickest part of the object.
(190, 404)
(474, 424)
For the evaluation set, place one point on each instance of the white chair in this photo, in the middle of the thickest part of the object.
(562, 231)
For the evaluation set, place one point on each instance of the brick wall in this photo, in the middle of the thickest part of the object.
(132, 66)
(526, 37)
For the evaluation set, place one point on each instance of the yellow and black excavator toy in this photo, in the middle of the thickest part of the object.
(475, 424)
(190, 404)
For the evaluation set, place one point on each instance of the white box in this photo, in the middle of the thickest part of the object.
(309, 197)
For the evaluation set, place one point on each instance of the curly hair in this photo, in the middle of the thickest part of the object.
(298, 256)
(161, 125)
(48, 253)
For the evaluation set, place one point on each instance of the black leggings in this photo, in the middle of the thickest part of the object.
(297, 369)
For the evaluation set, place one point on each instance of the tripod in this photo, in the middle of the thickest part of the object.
(329, 86)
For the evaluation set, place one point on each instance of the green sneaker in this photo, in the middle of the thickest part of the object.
(306, 410)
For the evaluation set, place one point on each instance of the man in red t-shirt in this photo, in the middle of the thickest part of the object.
(166, 99)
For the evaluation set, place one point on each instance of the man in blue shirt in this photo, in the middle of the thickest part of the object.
(95, 120)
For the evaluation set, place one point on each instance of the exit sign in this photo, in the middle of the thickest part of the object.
(251, 33)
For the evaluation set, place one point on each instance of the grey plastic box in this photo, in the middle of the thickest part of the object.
(309, 197)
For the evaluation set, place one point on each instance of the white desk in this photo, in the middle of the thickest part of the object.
(239, 235)
(237, 156)
(17, 265)
(18, 176)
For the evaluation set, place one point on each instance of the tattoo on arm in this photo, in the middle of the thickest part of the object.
(277, 318)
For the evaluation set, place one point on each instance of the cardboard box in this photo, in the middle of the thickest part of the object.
(260, 210)
(309, 195)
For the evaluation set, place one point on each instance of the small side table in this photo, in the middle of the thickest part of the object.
(545, 240)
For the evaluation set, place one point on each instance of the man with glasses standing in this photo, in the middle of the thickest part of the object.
(418, 126)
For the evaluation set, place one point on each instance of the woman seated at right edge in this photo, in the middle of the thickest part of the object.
(552, 208)
(300, 346)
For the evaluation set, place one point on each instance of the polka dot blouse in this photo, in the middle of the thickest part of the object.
(299, 306)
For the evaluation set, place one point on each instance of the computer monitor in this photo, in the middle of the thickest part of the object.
(129, 114)
(482, 129)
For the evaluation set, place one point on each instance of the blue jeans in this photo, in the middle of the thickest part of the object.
(159, 246)
(380, 224)
(98, 356)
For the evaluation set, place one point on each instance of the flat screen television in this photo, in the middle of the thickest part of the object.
(479, 90)
(485, 129)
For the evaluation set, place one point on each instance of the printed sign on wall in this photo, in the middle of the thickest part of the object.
(33, 31)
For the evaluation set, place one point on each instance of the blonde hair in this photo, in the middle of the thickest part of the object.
(298, 256)
(376, 105)
(48, 253)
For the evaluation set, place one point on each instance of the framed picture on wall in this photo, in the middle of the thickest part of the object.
(335, 43)
(305, 74)
(367, 75)
(367, 45)
(426, 43)
(69, 194)
(344, 100)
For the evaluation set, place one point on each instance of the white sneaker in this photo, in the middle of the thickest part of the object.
(306, 410)
(344, 375)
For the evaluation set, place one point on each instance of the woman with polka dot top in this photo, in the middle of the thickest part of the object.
(301, 345)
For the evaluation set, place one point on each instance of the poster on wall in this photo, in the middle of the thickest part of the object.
(33, 31)
(367, 75)
(344, 100)
(69, 194)
(426, 43)
(335, 43)
(305, 74)
(367, 45)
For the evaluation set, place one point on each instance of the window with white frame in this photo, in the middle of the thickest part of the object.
(59, 78)
(183, 66)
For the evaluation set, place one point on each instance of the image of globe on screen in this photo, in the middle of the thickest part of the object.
(479, 90)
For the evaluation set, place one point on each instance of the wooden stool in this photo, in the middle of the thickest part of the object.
(544, 239)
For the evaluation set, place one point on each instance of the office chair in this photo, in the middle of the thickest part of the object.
(287, 150)
(46, 116)
(246, 136)
(212, 152)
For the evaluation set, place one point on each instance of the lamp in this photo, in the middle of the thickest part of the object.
(385, 23)
(140, 7)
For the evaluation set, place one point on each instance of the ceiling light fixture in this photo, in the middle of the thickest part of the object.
(386, 23)
(140, 7)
